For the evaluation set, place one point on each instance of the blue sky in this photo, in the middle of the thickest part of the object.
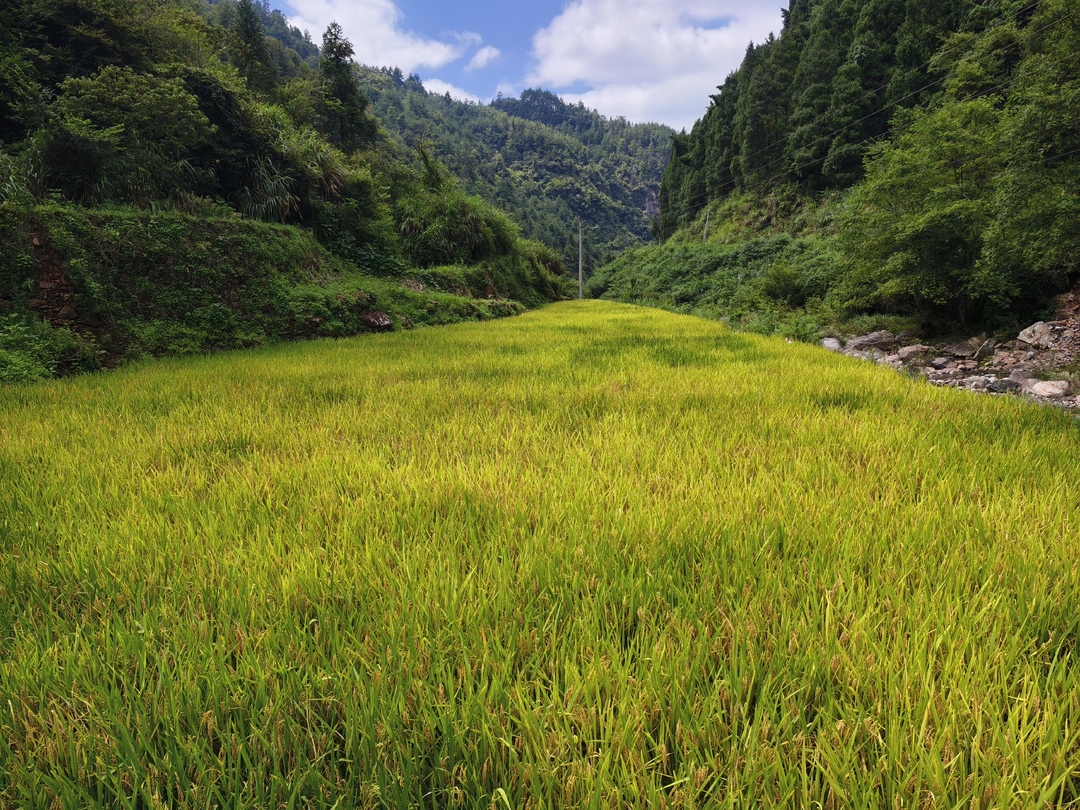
(647, 60)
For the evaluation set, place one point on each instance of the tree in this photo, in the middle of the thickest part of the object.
(122, 135)
(914, 228)
(346, 119)
(1033, 241)
(248, 50)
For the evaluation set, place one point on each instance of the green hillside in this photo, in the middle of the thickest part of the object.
(548, 163)
(593, 556)
(923, 158)
(185, 176)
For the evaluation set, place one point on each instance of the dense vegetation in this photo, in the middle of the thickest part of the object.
(549, 163)
(106, 286)
(595, 556)
(927, 153)
(180, 176)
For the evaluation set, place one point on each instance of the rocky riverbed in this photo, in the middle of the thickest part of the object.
(1041, 363)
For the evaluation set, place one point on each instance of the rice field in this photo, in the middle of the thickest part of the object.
(596, 556)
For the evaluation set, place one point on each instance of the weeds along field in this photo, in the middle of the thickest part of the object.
(595, 556)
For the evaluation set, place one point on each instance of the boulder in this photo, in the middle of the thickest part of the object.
(1050, 389)
(986, 349)
(1005, 387)
(913, 352)
(377, 321)
(1038, 334)
(966, 349)
(832, 344)
(875, 340)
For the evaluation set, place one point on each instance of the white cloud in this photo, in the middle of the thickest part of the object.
(648, 60)
(374, 29)
(483, 57)
(439, 87)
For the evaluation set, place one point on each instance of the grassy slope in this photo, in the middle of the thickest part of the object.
(593, 556)
(142, 283)
(770, 265)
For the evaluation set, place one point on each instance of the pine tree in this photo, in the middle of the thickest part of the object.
(346, 119)
(828, 36)
(859, 112)
(248, 50)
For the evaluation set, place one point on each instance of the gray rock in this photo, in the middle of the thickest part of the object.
(832, 344)
(945, 375)
(875, 340)
(910, 352)
(963, 350)
(940, 362)
(1038, 334)
(376, 321)
(1005, 387)
(1050, 389)
(986, 349)
(979, 383)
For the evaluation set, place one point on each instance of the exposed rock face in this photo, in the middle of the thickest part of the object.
(56, 299)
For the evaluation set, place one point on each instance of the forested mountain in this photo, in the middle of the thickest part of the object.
(880, 157)
(546, 162)
(180, 175)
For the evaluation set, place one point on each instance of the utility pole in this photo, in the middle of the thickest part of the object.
(580, 263)
(705, 236)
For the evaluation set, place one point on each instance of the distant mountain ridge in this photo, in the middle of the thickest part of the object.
(546, 162)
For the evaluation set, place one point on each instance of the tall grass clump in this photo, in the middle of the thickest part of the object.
(595, 556)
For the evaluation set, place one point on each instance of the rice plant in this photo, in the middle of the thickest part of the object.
(594, 556)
